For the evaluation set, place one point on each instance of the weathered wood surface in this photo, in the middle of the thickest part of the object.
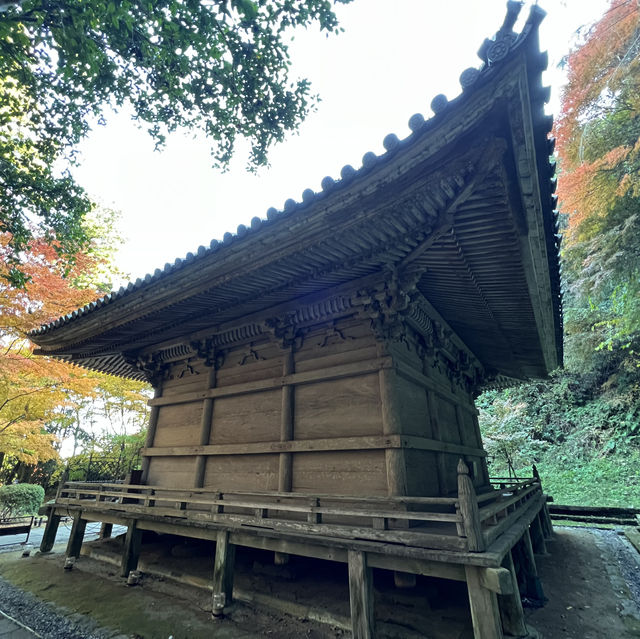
(76, 536)
(485, 614)
(361, 596)
(468, 504)
(511, 611)
(223, 573)
(284, 513)
(131, 551)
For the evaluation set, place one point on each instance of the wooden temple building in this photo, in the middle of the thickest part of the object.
(315, 373)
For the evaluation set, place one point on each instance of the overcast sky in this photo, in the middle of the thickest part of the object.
(392, 58)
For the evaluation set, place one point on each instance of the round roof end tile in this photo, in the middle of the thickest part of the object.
(347, 172)
(468, 77)
(416, 121)
(369, 159)
(327, 183)
(391, 142)
(439, 103)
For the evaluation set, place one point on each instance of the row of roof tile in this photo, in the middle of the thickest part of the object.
(491, 53)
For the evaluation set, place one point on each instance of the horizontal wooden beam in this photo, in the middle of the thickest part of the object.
(373, 442)
(295, 379)
(406, 370)
(497, 580)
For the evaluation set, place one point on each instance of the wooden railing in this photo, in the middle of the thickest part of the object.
(468, 522)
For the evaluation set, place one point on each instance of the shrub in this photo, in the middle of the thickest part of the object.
(20, 499)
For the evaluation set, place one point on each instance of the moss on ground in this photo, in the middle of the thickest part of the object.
(134, 612)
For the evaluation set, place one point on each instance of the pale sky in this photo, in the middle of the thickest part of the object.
(392, 59)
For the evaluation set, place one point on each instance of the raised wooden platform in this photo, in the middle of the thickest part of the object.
(487, 540)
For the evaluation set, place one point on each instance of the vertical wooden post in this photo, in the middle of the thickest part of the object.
(537, 536)
(131, 552)
(285, 469)
(483, 460)
(391, 425)
(469, 509)
(223, 573)
(547, 524)
(151, 433)
(437, 435)
(205, 429)
(287, 416)
(485, 614)
(532, 587)
(360, 596)
(511, 610)
(50, 531)
(77, 535)
(105, 530)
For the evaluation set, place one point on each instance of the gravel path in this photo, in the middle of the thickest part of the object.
(40, 616)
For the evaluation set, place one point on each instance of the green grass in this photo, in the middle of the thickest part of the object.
(611, 480)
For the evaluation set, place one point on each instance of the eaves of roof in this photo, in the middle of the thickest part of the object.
(494, 53)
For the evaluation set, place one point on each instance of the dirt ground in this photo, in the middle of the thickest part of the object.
(591, 579)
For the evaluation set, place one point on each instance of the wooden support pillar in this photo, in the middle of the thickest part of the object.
(468, 503)
(537, 536)
(441, 468)
(547, 524)
(510, 605)
(77, 535)
(287, 416)
(530, 584)
(151, 433)
(485, 614)
(50, 531)
(285, 468)
(391, 425)
(360, 596)
(105, 530)
(223, 567)
(478, 444)
(205, 430)
(131, 552)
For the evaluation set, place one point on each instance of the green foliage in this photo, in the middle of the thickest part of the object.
(220, 68)
(599, 480)
(20, 499)
(580, 427)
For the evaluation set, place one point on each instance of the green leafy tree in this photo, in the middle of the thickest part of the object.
(598, 133)
(582, 425)
(221, 68)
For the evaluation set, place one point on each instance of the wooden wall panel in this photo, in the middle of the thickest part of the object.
(338, 408)
(468, 428)
(412, 404)
(446, 415)
(340, 473)
(242, 472)
(349, 341)
(422, 473)
(247, 418)
(249, 363)
(178, 425)
(171, 472)
(186, 378)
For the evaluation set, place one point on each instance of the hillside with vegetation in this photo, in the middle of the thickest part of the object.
(582, 426)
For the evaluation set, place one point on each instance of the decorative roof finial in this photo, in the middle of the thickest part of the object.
(493, 51)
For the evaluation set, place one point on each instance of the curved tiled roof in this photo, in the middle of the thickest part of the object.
(492, 53)
(495, 54)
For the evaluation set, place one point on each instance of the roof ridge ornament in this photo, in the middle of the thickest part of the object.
(497, 49)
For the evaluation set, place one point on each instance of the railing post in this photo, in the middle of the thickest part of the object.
(545, 518)
(469, 509)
